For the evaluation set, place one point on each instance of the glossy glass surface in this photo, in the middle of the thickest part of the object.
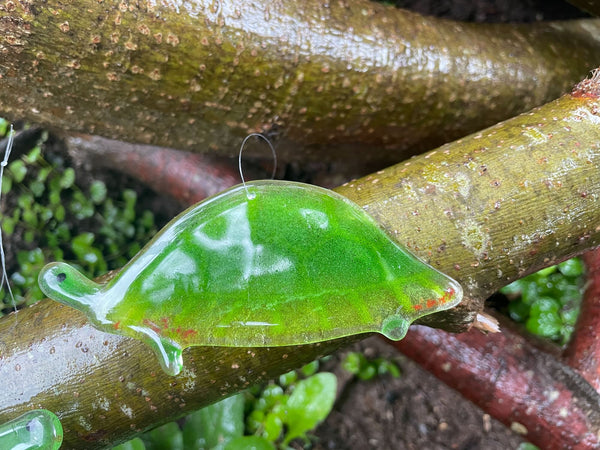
(39, 429)
(280, 263)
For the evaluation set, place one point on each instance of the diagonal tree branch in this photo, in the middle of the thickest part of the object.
(529, 390)
(583, 351)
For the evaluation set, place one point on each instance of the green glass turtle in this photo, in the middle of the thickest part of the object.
(268, 263)
(38, 429)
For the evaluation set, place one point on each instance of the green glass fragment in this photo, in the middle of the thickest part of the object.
(39, 429)
(273, 263)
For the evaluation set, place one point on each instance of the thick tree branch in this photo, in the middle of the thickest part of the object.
(591, 6)
(501, 203)
(486, 209)
(329, 75)
(583, 351)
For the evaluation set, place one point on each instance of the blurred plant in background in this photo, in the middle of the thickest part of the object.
(548, 301)
(47, 216)
(263, 417)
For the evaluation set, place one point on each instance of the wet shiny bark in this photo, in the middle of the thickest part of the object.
(360, 81)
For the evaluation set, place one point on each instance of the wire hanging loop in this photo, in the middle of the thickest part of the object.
(3, 164)
(258, 135)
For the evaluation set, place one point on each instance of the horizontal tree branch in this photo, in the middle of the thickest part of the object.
(323, 79)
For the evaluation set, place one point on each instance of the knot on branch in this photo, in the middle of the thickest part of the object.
(588, 88)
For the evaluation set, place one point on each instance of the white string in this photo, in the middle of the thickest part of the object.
(248, 194)
(3, 164)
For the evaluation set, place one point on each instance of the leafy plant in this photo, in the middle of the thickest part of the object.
(366, 369)
(49, 217)
(268, 417)
(548, 301)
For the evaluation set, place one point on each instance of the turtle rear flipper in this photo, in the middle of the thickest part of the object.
(168, 352)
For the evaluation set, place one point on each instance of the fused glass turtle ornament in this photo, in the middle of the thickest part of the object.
(268, 263)
(39, 429)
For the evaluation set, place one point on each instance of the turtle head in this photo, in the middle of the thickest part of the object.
(65, 284)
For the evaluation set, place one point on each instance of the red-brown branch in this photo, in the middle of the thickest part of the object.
(583, 352)
(188, 177)
(527, 389)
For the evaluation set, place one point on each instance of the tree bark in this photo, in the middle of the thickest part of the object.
(591, 6)
(583, 350)
(499, 204)
(485, 209)
(326, 78)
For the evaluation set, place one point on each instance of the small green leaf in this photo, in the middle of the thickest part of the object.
(353, 362)
(310, 368)
(8, 225)
(43, 174)
(24, 201)
(166, 437)
(59, 212)
(6, 185)
(384, 367)
(545, 319)
(215, 424)
(45, 213)
(147, 220)
(134, 444)
(249, 443)
(98, 191)
(67, 178)
(29, 236)
(272, 394)
(18, 279)
(255, 420)
(527, 446)
(30, 217)
(288, 378)
(309, 404)
(54, 197)
(82, 242)
(518, 311)
(572, 267)
(272, 427)
(570, 315)
(367, 372)
(18, 170)
(34, 155)
(37, 188)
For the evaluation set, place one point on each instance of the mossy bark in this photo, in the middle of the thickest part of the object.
(486, 209)
(498, 204)
(323, 78)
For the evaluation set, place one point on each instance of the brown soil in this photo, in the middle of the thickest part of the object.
(414, 411)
